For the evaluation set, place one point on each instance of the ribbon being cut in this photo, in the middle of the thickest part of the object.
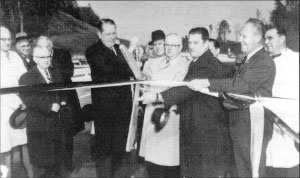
(276, 107)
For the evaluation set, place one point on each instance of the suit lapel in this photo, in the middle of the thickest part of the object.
(40, 77)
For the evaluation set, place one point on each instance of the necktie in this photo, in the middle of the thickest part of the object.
(48, 76)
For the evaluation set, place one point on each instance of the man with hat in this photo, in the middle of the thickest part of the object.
(23, 48)
(158, 40)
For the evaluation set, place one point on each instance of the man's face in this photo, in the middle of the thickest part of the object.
(274, 42)
(109, 35)
(159, 47)
(196, 45)
(5, 39)
(249, 39)
(23, 47)
(215, 51)
(42, 57)
(172, 46)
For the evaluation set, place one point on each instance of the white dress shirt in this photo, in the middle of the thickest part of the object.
(281, 151)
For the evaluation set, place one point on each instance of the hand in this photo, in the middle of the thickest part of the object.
(198, 84)
(133, 43)
(55, 107)
(148, 97)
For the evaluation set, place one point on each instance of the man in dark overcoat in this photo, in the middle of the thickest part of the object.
(113, 105)
(45, 123)
(255, 76)
(205, 144)
(62, 62)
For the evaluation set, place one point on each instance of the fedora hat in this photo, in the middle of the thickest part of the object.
(18, 119)
(157, 35)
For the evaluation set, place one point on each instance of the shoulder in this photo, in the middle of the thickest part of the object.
(29, 76)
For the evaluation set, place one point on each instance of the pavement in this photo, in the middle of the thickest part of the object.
(84, 166)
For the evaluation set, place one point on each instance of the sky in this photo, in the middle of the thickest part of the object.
(140, 18)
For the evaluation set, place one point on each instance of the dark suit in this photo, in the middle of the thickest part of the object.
(205, 144)
(44, 127)
(113, 105)
(62, 61)
(28, 65)
(255, 76)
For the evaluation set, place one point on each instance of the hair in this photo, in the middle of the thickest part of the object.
(201, 31)
(259, 26)
(104, 21)
(37, 48)
(177, 36)
(215, 42)
(281, 31)
(44, 38)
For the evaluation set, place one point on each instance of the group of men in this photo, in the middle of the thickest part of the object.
(200, 138)
(52, 118)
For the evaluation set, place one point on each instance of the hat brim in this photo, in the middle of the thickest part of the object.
(18, 119)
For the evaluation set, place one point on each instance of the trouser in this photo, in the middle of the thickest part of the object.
(158, 171)
(240, 131)
(282, 172)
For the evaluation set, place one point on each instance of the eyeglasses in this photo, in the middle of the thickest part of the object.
(171, 45)
(44, 57)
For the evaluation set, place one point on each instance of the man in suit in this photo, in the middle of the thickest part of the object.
(113, 105)
(23, 47)
(44, 126)
(61, 60)
(254, 77)
(205, 145)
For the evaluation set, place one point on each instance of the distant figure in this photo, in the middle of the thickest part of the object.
(214, 47)
(282, 154)
(12, 68)
(112, 105)
(158, 40)
(23, 46)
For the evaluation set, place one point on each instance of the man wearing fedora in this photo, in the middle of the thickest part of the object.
(23, 48)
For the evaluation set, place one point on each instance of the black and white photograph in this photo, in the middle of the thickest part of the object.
(149, 89)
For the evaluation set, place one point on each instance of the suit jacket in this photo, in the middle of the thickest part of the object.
(62, 61)
(28, 65)
(204, 133)
(256, 76)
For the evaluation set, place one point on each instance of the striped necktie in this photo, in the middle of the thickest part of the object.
(48, 76)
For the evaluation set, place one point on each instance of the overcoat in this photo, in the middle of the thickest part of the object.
(113, 105)
(205, 144)
(44, 127)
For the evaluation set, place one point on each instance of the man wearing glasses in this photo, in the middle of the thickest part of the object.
(44, 126)
(205, 145)
(161, 149)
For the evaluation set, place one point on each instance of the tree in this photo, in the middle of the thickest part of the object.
(223, 30)
(259, 16)
(286, 15)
